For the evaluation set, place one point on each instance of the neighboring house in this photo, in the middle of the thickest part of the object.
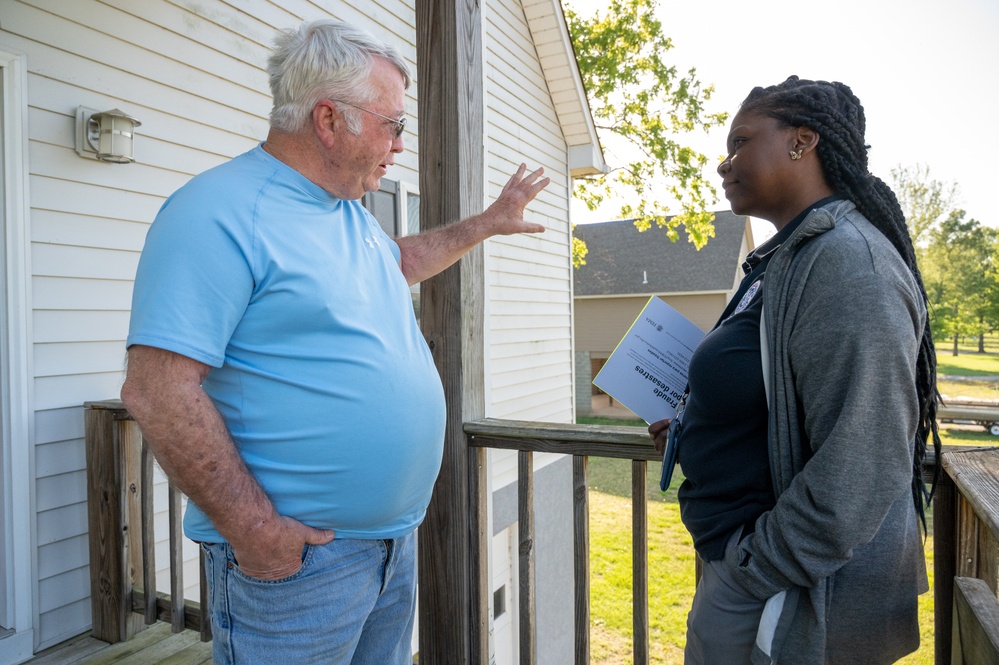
(73, 228)
(624, 267)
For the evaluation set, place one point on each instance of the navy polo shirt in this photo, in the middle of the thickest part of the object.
(723, 443)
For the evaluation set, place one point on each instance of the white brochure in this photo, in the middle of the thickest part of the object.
(648, 370)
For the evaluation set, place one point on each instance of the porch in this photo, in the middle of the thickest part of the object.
(966, 548)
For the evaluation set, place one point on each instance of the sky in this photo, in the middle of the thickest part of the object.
(926, 71)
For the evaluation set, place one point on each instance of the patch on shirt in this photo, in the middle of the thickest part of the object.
(748, 297)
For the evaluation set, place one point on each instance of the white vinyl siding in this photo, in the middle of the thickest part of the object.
(528, 278)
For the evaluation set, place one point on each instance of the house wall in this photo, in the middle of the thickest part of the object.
(602, 322)
(193, 74)
(529, 363)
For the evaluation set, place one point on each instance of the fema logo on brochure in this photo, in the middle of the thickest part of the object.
(748, 297)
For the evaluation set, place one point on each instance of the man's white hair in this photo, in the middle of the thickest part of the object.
(325, 59)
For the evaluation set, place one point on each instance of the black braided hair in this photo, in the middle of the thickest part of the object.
(836, 115)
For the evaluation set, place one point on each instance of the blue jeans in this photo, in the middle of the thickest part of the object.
(353, 601)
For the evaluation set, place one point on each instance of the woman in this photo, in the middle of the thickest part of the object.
(803, 455)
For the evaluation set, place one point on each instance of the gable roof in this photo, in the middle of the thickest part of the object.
(558, 61)
(623, 260)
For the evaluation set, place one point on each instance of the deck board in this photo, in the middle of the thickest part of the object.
(154, 646)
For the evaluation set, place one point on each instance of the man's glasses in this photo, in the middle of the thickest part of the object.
(400, 123)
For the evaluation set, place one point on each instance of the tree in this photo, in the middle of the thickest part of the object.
(638, 100)
(926, 202)
(960, 276)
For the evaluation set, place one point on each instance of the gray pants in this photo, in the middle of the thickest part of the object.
(724, 618)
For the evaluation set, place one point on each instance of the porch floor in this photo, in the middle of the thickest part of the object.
(154, 646)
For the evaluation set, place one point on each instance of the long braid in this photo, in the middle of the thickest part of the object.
(835, 113)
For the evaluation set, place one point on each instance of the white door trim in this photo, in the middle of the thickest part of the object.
(17, 433)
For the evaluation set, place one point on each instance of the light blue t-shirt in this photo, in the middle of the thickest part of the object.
(297, 301)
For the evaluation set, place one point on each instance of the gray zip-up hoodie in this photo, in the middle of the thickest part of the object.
(843, 317)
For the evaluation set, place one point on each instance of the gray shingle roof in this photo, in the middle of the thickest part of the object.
(622, 259)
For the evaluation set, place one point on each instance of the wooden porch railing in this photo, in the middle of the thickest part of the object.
(123, 593)
(119, 474)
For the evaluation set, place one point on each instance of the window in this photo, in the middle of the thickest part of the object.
(396, 206)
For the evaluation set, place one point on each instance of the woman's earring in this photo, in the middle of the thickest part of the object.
(795, 156)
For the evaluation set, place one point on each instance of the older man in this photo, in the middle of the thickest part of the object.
(277, 370)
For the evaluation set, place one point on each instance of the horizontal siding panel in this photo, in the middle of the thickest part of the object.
(64, 555)
(554, 406)
(543, 378)
(533, 254)
(53, 459)
(63, 490)
(504, 307)
(88, 262)
(528, 288)
(60, 391)
(61, 523)
(506, 154)
(507, 150)
(527, 405)
(532, 249)
(63, 163)
(98, 86)
(544, 346)
(500, 266)
(62, 623)
(537, 385)
(543, 363)
(64, 359)
(523, 95)
(168, 137)
(62, 326)
(68, 293)
(53, 425)
(535, 142)
(54, 227)
(548, 292)
(541, 133)
(527, 339)
(198, 44)
(255, 22)
(85, 53)
(64, 589)
(545, 325)
(82, 199)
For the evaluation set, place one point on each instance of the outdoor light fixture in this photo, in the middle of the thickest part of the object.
(106, 136)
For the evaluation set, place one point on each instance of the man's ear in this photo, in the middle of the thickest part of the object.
(805, 139)
(327, 122)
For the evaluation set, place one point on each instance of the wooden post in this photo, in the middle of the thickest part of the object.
(113, 465)
(148, 538)
(176, 560)
(640, 560)
(525, 519)
(944, 565)
(581, 557)
(976, 623)
(453, 543)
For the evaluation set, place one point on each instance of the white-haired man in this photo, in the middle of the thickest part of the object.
(277, 370)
